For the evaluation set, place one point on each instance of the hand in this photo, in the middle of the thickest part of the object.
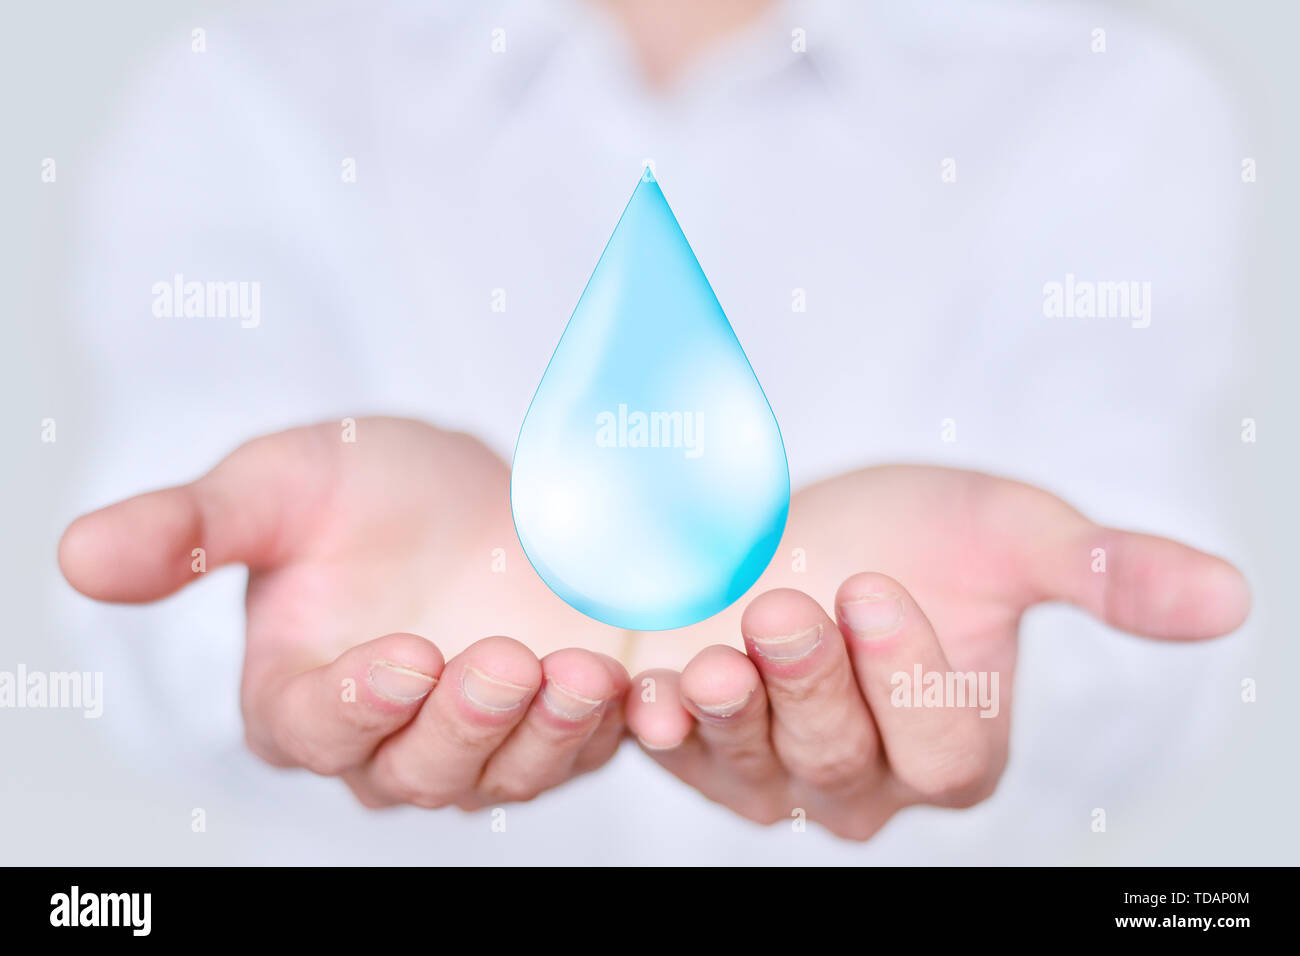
(353, 549)
(807, 718)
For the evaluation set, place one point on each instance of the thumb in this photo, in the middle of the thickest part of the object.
(253, 508)
(1146, 585)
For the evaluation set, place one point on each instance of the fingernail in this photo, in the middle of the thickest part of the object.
(790, 648)
(565, 703)
(873, 616)
(649, 746)
(488, 693)
(724, 710)
(399, 683)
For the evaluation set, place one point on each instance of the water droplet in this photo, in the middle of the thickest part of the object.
(650, 486)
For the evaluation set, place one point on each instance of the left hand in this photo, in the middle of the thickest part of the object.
(806, 717)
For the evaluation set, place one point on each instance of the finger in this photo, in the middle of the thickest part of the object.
(661, 723)
(724, 692)
(1150, 586)
(249, 509)
(654, 710)
(605, 740)
(936, 725)
(670, 734)
(821, 728)
(330, 719)
(542, 750)
(437, 758)
(1145, 585)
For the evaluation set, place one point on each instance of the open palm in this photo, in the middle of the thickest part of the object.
(923, 571)
(369, 560)
(354, 548)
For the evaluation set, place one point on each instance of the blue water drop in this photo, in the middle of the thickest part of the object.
(650, 486)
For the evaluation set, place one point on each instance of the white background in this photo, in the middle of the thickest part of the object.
(65, 797)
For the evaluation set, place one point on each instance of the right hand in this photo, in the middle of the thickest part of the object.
(353, 549)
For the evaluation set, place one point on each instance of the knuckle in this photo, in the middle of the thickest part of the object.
(560, 736)
(464, 737)
(822, 774)
(792, 693)
(511, 791)
(363, 719)
(408, 785)
(833, 764)
(750, 763)
(303, 752)
(832, 685)
(953, 778)
(324, 762)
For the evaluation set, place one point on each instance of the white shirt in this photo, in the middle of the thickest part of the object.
(826, 175)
